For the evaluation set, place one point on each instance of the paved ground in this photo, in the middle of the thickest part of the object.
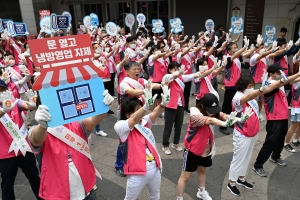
(281, 183)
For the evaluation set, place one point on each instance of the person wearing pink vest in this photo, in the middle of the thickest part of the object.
(142, 163)
(12, 159)
(295, 113)
(245, 130)
(276, 108)
(174, 111)
(199, 142)
(66, 173)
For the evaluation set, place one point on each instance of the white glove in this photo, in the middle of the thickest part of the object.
(298, 42)
(230, 30)
(149, 100)
(264, 82)
(217, 64)
(259, 40)
(216, 42)
(108, 99)
(5, 75)
(289, 45)
(149, 84)
(165, 95)
(20, 43)
(190, 45)
(284, 77)
(274, 46)
(166, 49)
(185, 38)
(32, 96)
(230, 120)
(246, 42)
(6, 98)
(245, 115)
(228, 39)
(6, 60)
(24, 70)
(27, 34)
(22, 58)
(42, 116)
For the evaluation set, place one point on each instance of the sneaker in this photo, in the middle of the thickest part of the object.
(224, 131)
(115, 97)
(289, 148)
(279, 161)
(162, 115)
(260, 171)
(120, 172)
(261, 117)
(110, 112)
(297, 144)
(203, 195)
(245, 184)
(187, 111)
(233, 190)
(222, 87)
(177, 147)
(101, 133)
(166, 150)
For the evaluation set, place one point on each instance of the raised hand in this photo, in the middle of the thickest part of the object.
(6, 97)
(274, 46)
(165, 95)
(245, 115)
(215, 44)
(284, 77)
(32, 97)
(264, 82)
(149, 100)
(24, 70)
(230, 120)
(108, 99)
(246, 42)
(42, 116)
(259, 40)
(5, 75)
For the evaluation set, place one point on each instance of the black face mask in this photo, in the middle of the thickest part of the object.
(23, 40)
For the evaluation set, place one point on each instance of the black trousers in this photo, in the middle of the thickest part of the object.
(276, 132)
(9, 168)
(187, 93)
(173, 116)
(111, 86)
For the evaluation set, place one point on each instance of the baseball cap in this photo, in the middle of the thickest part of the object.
(211, 103)
(2, 84)
(275, 68)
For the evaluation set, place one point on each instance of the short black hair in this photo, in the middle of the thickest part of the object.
(159, 43)
(130, 39)
(243, 82)
(172, 65)
(154, 47)
(128, 106)
(151, 34)
(229, 46)
(283, 29)
(129, 64)
(139, 34)
(200, 61)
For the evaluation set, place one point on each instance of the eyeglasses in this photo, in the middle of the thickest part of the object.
(135, 69)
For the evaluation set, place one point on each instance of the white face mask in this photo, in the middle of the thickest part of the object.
(107, 49)
(203, 68)
(12, 62)
(209, 114)
(157, 52)
(278, 77)
(28, 50)
(262, 51)
(133, 46)
(184, 49)
(248, 91)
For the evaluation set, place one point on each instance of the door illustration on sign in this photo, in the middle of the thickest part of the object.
(75, 101)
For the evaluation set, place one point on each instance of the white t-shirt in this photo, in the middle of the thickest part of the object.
(150, 60)
(124, 86)
(236, 101)
(253, 59)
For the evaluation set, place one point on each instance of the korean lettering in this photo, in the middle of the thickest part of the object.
(68, 53)
(59, 55)
(51, 44)
(63, 43)
(72, 42)
(40, 58)
(50, 56)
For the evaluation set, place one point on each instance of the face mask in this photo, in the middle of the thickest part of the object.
(12, 62)
(139, 37)
(233, 51)
(157, 52)
(28, 50)
(184, 49)
(278, 77)
(203, 68)
(107, 49)
(61, 34)
(262, 51)
(209, 114)
(248, 91)
(132, 55)
(133, 46)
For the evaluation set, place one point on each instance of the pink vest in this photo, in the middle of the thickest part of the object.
(258, 70)
(121, 76)
(295, 97)
(141, 81)
(111, 61)
(284, 64)
(6, 139)
(276, 106)
(210, 61)
(251, 127)
(136, 156)
(203, 88)
(30, 66)
(187, 62)
(232, 74)
(55, 170)
(160, 69)
(195, 139)
(175, 91)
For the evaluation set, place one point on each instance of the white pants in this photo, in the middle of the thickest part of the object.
(242, 153)
(136, 183)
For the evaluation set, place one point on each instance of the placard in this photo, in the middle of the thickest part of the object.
(45, 24)
(66, 13)
(270, 32)
(158, 26)
(20, 28)
(94, 20)
(254, 13)
(141, 18)
(4, 22)
(209, 25)
(87, 22)
(237, 25)
(176, 25)
(129, 20)
(10, 27)
(111, 28)
(44, 13)
(59, 21)
(1, 26)
(69, 77)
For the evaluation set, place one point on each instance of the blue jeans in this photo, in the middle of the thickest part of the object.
(119, 161)
(97, 128)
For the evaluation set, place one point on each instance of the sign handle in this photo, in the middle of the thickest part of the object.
(53, 21)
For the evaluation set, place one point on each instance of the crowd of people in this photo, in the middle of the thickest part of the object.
(145, 68)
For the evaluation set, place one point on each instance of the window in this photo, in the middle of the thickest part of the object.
(116, 12)
(94, 8)
(75, 101)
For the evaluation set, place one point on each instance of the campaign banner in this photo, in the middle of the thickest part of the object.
(10, 27)
(94, 19)
(20, 28)
(69, 77)
(44, 13)
(45, 24)
(237, 25)
(209, 25)
(129, 20)
(87, 22)
(141, 18)
(66, 13)
(158, 26)
(4, 23)
(111, 28)
(59, 21)
(176, 25)
(270, 34)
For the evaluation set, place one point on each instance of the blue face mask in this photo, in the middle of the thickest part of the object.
(61, 34)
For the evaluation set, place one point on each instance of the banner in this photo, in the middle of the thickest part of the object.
(270, 34)
(69, 77)
(44, 13)
(176, 25)
(237, 25)
(158, 26)
(129, 20)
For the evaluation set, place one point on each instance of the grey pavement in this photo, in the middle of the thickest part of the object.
(281, 183)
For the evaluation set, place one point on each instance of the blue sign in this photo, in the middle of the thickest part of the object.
(10, 27)
(157, 26)
(94, 19)
(176, 25)
(237, 25)
(45, 24)
(1, 26)
(66, 13)
(270, 34)
(4, 22)
(20, 28)
(59, 21)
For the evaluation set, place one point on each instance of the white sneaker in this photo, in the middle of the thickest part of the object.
(203, 195)
(166, 150)
(101, 133)
(115, 97)
(177, 147)
(162, 115)
(261, 117)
